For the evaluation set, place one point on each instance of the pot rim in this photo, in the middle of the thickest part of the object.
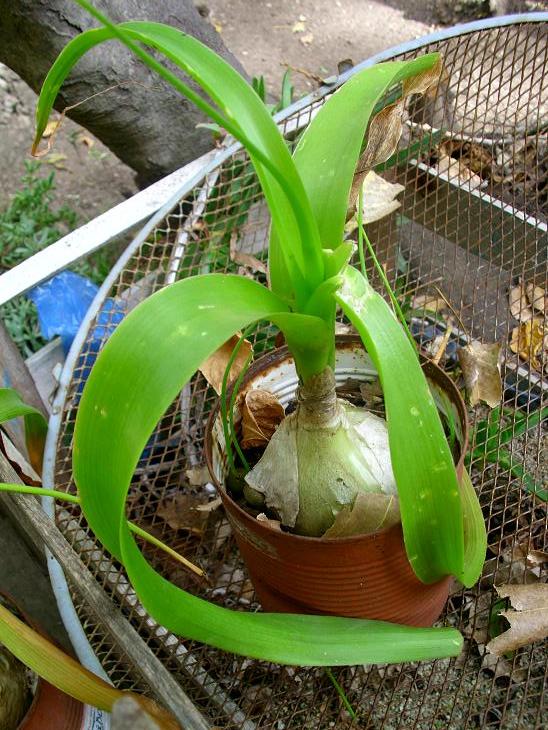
(272, 359)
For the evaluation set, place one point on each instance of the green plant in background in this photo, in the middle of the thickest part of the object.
(489, 437)
(32, 221)
(29, 224)
(161, 344)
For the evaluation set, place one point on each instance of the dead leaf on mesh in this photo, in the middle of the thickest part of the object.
(429, 302)
(182, 513)
(342, 328)
(208, 507)
(198, 476)
(369, 513)
(273, 524)
(537, 297)
(213, 369)
(262, 413)
(528, 341)
(481, 370)
(379, 200)
(385, 128)
(519, 304)
(245, 259)
(529, 620)
(18, 461)
(456, 170)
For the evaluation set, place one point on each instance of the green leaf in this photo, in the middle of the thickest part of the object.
(142, 368)
(243, 115)
(328, 151)
(475, 534)
(36, 427)
(427, 483)
(64, 672)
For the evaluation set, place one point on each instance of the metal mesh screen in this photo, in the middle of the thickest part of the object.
(473, 223)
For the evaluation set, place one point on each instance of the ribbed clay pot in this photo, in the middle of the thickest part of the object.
(50, 708)
(367, 576)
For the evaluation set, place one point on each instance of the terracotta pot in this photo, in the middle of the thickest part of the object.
(50, 708)
(367, 576)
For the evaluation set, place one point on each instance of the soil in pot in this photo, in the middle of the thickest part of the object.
(363, 576)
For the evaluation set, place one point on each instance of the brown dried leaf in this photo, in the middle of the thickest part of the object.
(198, 476)
(519, 304)
(457, 170)
(379, 197)
(528, 341)
(208, 507)
(481, 369)
(182, 513)
(385, 128)
(538, 298)
(262, 413)
(18, 461)
(51, 127)
(528, 623)
(213, 369)
(273, 524)
(370, 512)
(429, 302)
(245, 259)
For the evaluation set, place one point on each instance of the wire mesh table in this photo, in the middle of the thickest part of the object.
(473, 162)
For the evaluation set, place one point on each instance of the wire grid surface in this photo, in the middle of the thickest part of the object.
(446, 233)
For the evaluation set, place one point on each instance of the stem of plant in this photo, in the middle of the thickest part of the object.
(73, 499)
(341, 693)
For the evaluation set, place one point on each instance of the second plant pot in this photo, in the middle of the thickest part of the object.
(365, 576)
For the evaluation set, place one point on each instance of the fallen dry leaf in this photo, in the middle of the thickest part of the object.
(198, 476)
(213, 369)
(274, 524)
(455, 169)
(519, 304)
(370, 512)
(429, 302)
(51, 127)
(245, 259)
(210, 506)
(298, 27)
(528, 341)
(56, 159)
(86, 140)
(379, 197)
(182, 513)
(528, 623)
(262, 413)
(18, 461)
(385, 128)
(306, 39)
(537, 297)
(481, 370)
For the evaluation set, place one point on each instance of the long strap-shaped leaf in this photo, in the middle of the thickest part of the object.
(65, 673)
(427, 483)
(243, 114)
(143, 366)
(11, 406)
(328, 151)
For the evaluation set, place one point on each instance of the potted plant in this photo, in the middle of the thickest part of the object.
(162, 343)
